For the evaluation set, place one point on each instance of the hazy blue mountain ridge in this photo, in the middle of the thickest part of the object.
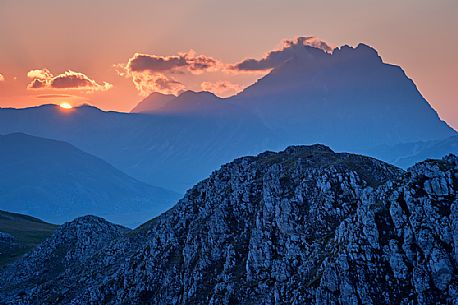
(57, 182)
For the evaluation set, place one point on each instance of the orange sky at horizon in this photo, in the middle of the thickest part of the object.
(89, 38)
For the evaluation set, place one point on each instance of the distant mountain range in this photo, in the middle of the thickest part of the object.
(406, 154)
(350, 100)
(55, 181)
(172, 151)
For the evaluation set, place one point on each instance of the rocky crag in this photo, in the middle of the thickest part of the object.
(303, 226)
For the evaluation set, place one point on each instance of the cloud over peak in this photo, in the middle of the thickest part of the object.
(166, 73)
(44, 79)
(155, 73)
(275, 58)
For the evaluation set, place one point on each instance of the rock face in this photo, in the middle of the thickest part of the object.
(70, 247)
(304, 226)
(8, 243)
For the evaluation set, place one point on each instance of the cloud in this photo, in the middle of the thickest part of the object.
(44, 79)
(156, 73)
(2, 78)
(222, 88)
(166, 74)
(54, 96)
(180, 63)
(290, 49)
(147, 82)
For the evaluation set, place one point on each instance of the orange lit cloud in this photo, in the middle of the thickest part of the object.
(2, 78)
(158, 73)
(147, 82)
(275, 58)
(155, 73)
(221, 88)
(44, 79)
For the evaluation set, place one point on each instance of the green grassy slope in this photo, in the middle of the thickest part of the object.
(27, 232)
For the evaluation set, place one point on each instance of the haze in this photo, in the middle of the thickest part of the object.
(93, 39)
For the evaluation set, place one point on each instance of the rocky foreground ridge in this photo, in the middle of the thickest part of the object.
(303, 226)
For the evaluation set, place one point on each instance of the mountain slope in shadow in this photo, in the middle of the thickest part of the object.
(55, 181)
(19, 234)
(302, 226)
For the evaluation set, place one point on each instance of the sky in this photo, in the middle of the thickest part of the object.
(112, 53)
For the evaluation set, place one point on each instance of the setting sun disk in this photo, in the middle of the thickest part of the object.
(65, 105)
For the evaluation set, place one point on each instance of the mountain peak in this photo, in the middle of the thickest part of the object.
(289, 226)
(361, 53)
(301, 149)
(196, 94)
(153, 102)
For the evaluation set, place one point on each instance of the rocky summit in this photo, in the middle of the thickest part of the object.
(303, 226)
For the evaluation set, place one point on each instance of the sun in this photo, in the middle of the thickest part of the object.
(65, 105)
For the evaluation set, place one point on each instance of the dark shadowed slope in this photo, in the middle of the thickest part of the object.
(19, 234)
(55, 181)
(349, 99)
(304, 226)
(70, 247)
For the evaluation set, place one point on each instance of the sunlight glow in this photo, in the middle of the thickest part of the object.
(65, 105)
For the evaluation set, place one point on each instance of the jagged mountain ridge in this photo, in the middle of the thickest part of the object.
(70, 247)
(57, 182)
(348, 99)
(304, 226)
(187, 103)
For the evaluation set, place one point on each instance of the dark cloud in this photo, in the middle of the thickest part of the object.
(44, 79)
(37, 84)
(143, 62)
(273, 59)
(177, 63)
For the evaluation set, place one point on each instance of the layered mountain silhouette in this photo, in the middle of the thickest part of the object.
(154, 102)
(187, 103)
(57, 182)
(348, 99)
(172, 151)
(303, 226)
(405, 154)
